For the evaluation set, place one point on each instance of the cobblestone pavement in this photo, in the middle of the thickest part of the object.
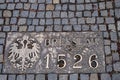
(64, 15)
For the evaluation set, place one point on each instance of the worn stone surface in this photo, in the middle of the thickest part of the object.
(41, 48)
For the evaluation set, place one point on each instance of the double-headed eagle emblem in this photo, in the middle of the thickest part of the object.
(24, 52)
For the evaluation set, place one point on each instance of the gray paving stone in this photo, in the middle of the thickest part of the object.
(64, 1)
(9, 1)
(116, 66)
(34, 6)
(0, 68)
(49, 21)
(93, 76)
(80, 7)
(13, 21)
(32, 1)
(11, 6)
(40, 14)
(3, 77)
(58, 7)
(42, 21)
(7, 21)
(27, 6)
(58, 28)
(73, 21)
(88, 6)
(64, 7)
(102, 27)
(87, 13)
(57, 21)
(19, 6)
(94, 27)
(109, 4)
(113, 36)
(48, 14)
(52, 77)
(102, 5)
(1, 21)
(107, 50)
(109, 68)
(1, 59)
(41, 1)
(72, 1)
(84, 77)
(29, 21)
(30, 77)
(24, 14)
(80, 1)
(39, 28)
(112, 27)
(20, 77)
(116, 76)
(31, 28)
(2, 1)
(115, 56)
(32, 14)
(72, 7)
(41, 7)
(15, 13)
(40, 77)
(6, 28)
(108, 59)
(49, 28)
(1, 13)
(106, 35)
(73, 76)
(113, 46)
(117, 3)
(104, 13)
(95, 13)
(67, 28)
(71, 14)
(2, 41)
(21, 21)
(63, 77)
(105, 76)
(118, 25)
(48, 1)
(22, 28)
(14, 28)
(23, 0)
(107, 42)
(85, 27)
(3, 6)
(56, 13)
(93, 0)
(112, 12)
(35, 22)
(64, 15)
(109, 20)
(77, 27)
(2, 35)
(64, 21)
(117, 11)
(11, 77)
(90, 20)
(78, 14)
(81, 20)
(7, 13)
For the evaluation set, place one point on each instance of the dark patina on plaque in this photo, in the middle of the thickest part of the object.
(54, 52)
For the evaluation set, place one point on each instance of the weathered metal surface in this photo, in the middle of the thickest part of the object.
(54, 52)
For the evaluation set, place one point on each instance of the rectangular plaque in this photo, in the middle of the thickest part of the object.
(54, 52)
